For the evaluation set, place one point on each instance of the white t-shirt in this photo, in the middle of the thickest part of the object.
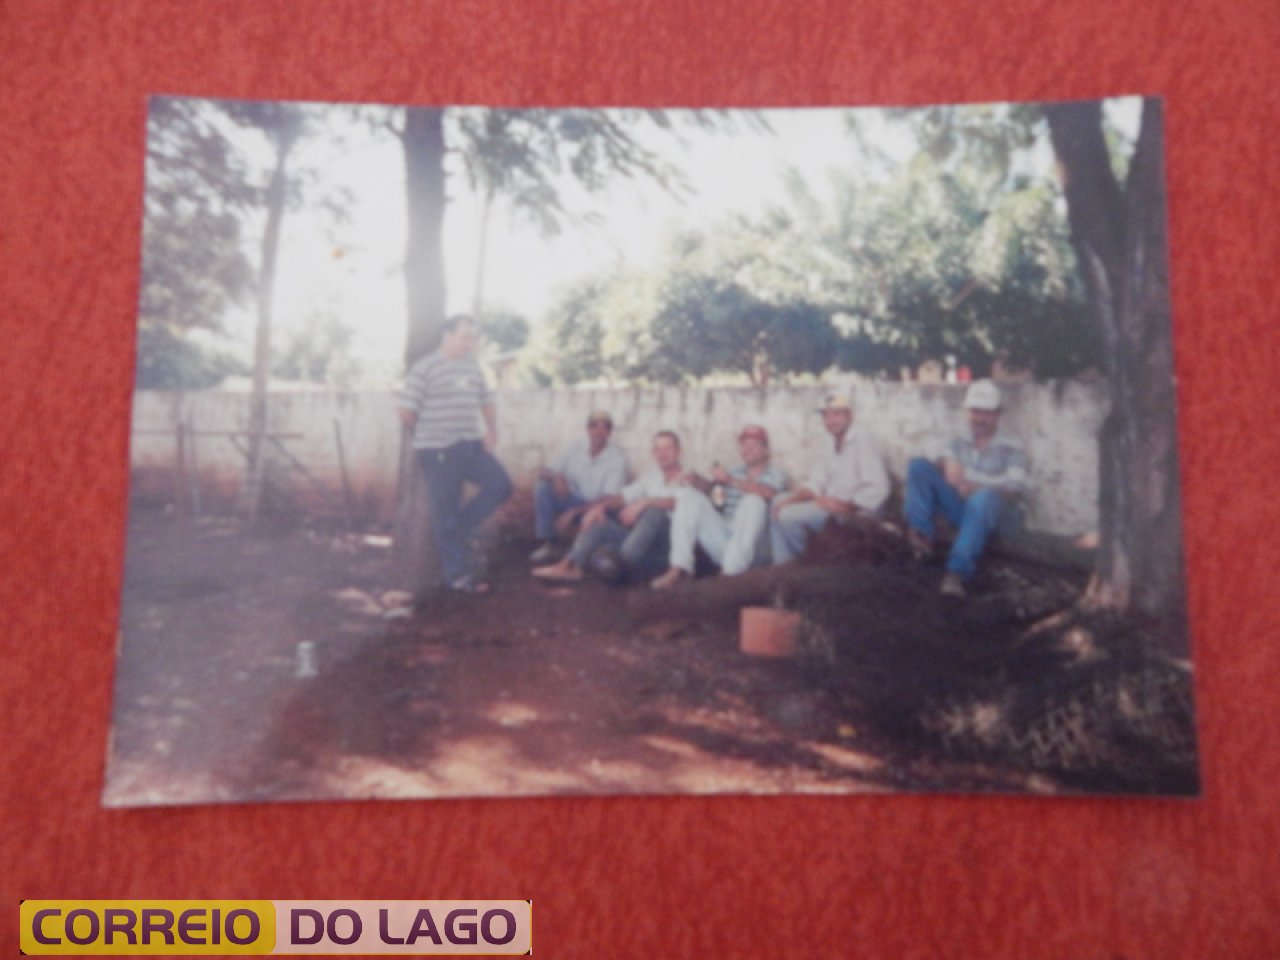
(856, 474)
(651, 485)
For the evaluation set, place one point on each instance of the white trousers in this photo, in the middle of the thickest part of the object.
(730, 544)
(792, 526)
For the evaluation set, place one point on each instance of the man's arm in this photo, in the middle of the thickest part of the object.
(1011, 482)
(801, 495)
(631, 512)
(841, 509)
(697, 481)
(599, 511)
(757, 488)
(490, 415)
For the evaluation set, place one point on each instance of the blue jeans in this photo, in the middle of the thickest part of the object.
(644, 547)
(453, 525)
(976, 519)
(547, 506)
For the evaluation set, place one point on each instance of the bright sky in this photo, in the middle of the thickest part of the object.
(354, 270)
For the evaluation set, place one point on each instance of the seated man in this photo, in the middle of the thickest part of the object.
(577, 480)
(850, 479)
(731, 533)
(636, 521)
(975, 485)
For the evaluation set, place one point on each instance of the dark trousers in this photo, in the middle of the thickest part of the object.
(453, 525)
(645, 547)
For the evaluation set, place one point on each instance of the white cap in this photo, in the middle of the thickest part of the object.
(982, 395)
(835, 401)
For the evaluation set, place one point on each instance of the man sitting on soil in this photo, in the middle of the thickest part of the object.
(444, 401)
(849, 480)
(636, 521)
(976, 485)
(731, 531)
(578, 479)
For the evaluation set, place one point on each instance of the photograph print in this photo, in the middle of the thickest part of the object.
(503, 452)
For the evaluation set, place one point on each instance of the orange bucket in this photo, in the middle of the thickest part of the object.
(769, 632)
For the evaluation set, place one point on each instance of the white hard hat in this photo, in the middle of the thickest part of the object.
(982, 395)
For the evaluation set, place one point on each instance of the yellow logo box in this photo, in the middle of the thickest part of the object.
(71, 928)
(264, 927)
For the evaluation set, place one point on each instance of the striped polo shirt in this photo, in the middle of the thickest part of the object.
(447, 395)
(771, 476)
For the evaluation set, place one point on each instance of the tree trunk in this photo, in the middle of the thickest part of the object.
(1120, 240)
(424, 252)
(424, 147)
(277, 191)
(482, 254)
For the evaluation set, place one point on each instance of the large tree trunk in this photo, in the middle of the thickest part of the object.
(1120, 240)
(423, 139)
(277, 194)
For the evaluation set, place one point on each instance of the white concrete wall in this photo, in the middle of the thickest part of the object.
(1058, 422)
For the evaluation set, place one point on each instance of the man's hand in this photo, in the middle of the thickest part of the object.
(778, 504)
(631, 512)
(594, 516)
(491, 440)
(953, 473)
(407, 417)
(567, 521)
(720, 475)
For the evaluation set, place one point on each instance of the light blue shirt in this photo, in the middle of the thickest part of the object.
(1002, 464)
(589, 477)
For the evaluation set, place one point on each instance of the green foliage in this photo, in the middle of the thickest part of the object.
(575, 351)
(521, 154)
(198, 190)
(505, 330)
(170, 359)
(715, 316)
(949, 255)
(961, 252)
(318, 352)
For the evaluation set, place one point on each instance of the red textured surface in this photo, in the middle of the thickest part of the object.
(898, 877)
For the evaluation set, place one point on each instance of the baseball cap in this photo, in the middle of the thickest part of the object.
(835, 401)
(755, 430)
(982, 395)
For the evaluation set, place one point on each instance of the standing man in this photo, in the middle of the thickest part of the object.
(733, 537)
(636, 521)
(577, 480)
(449, 407)
(976, 484)
(850, 479)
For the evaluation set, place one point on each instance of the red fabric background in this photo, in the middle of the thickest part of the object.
(895, 877)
